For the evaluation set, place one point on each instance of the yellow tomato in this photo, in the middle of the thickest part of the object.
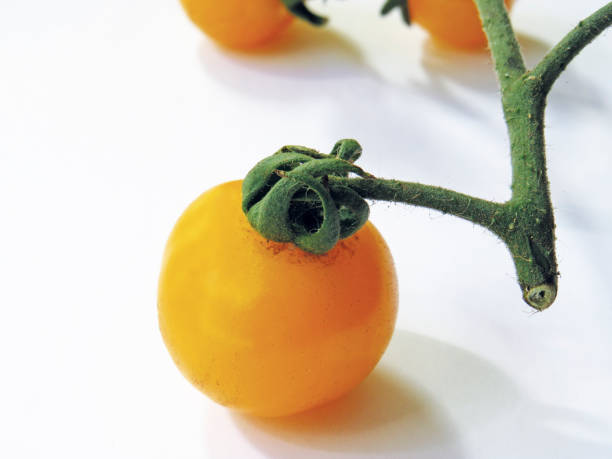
(238, 23)
(263, 327)
(453, 22)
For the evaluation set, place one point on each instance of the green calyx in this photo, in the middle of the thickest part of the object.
(291, 196)
(390, 5)
(300, 10)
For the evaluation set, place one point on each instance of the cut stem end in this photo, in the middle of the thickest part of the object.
(541, 297)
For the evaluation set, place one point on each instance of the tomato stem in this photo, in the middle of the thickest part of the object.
(307, 197)
(506, 52)
(560, 56)
(524, 100)
(525, 229)
(475, 210)
(530, 234)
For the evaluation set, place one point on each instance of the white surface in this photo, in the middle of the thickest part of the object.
(114, 115)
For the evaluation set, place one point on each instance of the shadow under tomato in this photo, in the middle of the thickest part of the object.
(397, 409)
(425, 399)
(474, 69)
(485, 403)
(385, 414)
(303, 54)
(299, 38)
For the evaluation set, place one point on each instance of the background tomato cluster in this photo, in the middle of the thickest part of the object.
(114, 115)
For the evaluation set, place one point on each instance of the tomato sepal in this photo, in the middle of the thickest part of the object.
(291, 196)
(263, 176)
(390, 5)
(301, 11)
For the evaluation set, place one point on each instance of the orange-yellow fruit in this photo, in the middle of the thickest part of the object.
(239, 23)
(263, 327)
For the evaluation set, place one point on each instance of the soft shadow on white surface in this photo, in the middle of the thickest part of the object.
(384, 415)
(302, 54)
(446, 68)
(389, 414)
(474, 70)
(423, 398)
(300, 39)
(323, 74)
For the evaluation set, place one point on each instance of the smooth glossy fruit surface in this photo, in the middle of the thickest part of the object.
(263, 327)
(238, 23)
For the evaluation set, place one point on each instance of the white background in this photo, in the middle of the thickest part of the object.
(114, 115)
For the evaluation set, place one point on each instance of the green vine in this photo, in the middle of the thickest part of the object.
(314, 199)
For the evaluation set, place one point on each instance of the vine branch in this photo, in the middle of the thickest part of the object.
(475, 210)
(308, 198)
(507, 57)
(549, 69)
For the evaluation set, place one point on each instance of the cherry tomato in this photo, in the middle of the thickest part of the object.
(452, 22)
(263, 327)
(239, 23)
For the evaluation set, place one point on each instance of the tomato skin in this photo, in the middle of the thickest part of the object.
(238, 23)
(454, 23)
(263, 327)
